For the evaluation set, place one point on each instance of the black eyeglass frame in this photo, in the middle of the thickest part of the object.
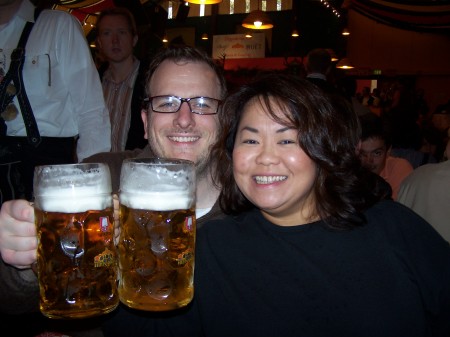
(148, 102)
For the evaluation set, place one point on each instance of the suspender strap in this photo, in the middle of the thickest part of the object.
(17, 55)
(14, 74)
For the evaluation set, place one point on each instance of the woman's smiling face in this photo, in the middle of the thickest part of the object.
(270, 167)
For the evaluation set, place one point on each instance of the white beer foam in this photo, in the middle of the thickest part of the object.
(156, 200)
(69, 200)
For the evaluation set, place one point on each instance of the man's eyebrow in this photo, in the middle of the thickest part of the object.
(382, 148)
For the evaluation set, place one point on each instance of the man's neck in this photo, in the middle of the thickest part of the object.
(121, 70)
(206, 192)
(8, 11)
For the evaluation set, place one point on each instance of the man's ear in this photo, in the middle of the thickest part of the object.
(144, 116)
(358, 148)
(388, 151)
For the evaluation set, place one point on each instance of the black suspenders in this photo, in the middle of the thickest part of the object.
(14, 75)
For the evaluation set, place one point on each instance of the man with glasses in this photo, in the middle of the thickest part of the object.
(181, 120)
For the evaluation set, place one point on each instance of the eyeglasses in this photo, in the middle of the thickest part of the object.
(171, 104)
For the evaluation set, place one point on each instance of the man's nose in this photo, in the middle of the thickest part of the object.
(184, 117)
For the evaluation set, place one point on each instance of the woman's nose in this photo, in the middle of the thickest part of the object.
(267, 155)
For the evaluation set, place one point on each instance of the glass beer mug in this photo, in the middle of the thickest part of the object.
(157, 233)
(76, 258)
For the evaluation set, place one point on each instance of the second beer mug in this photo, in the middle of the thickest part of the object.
(157, 239)
(77, 264)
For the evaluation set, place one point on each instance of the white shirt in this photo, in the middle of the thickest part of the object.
(199, 212)
(61, 80)
(427, 192)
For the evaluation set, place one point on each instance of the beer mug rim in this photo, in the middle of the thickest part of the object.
(158, 161)
(156, 183)
(67, 181)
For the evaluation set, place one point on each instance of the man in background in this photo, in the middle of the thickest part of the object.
(123, 81)
(374, 153)
(317, 66)
(427, 192)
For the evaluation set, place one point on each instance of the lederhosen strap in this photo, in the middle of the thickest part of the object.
(14, 74)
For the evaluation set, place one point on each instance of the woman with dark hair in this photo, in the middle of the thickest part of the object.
(328, 136)
(309, 249)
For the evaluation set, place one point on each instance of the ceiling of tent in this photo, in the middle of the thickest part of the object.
(419, 15)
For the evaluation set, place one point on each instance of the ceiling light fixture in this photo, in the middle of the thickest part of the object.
(295, 33)
(204, 2)
(333, 55)
(257, 19)
(165, 39)
(204, 36)
(344, 63)
(345, 32)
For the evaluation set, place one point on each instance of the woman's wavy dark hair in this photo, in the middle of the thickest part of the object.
(328, 132)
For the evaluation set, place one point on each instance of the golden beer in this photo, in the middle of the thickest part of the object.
(157, 234)
(76, 257)
(156, 258)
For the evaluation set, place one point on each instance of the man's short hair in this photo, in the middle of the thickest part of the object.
(318, 61)
(119, 11)
(182, 54)
(373, 126)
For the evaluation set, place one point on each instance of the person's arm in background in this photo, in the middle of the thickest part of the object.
(86, 91)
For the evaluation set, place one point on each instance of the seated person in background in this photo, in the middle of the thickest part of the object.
(374, 153)
(366, 98)
(427, 192)
(433, 145)
(347, 86)
(375, 97)
(407, 141)
(375, 102)
(307, 249)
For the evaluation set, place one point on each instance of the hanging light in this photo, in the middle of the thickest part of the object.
(204, 36)
(257, 19)
(204, 2)
(248, 35)
(165, 39)
(344, 63)
(333, 55)
(295, 33)
(345, 31)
